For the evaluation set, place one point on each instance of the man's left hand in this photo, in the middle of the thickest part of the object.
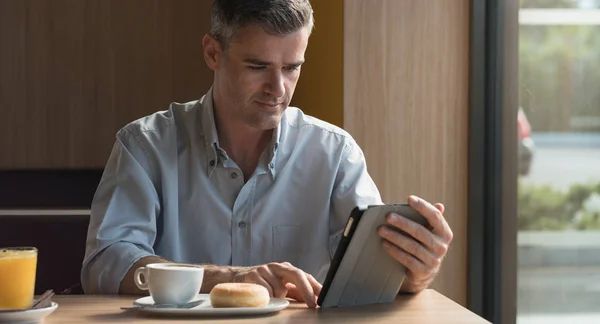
(421, 254)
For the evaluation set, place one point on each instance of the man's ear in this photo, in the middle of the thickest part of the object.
(212, 52)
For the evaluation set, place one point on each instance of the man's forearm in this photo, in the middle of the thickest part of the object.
(213, 275)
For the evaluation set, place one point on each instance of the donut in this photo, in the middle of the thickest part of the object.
(237, 294)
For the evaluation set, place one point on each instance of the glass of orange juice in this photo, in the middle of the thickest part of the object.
(17, 277)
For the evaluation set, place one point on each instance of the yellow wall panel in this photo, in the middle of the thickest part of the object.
(320, 89)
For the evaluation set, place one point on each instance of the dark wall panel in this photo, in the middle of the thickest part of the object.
(74, 71)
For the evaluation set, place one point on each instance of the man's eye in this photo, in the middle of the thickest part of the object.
(256, 67)
(292, 68)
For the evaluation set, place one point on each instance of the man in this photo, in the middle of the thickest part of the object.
(239, 182)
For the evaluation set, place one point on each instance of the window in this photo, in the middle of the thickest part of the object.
(558, 239)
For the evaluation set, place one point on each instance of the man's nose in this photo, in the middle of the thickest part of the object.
(275, 86)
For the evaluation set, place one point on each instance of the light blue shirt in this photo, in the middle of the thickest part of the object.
(170, 190)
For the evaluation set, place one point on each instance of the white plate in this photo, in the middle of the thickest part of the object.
(28, 316)
(206, 309)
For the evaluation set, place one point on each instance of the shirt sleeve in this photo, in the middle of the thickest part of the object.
(353, 187)
(124, 210)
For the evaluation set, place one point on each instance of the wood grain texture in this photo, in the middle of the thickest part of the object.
(75, 71)
(320, 89)
(424, 308)
(406, 103)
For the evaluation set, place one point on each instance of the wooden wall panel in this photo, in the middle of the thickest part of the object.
(320, 89)
(406, 103)
(74, 71)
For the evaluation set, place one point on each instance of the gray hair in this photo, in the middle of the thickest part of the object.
(276, 17)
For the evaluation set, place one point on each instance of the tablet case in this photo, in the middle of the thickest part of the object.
(361, 272)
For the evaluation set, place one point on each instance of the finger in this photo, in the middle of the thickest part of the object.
(278, 287)
(316, 286)
(416, 267)
(411, 246)
(291, 274)
(432, 214)
(448, 232)
(293, 292)
(419, 233)
(434, 217)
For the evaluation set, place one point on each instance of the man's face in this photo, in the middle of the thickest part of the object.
(256, 76)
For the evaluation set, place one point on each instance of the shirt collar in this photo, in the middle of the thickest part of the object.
(211, 139)
(274, 148)
(209, 131)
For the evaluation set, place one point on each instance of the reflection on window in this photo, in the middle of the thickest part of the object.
(559, 162)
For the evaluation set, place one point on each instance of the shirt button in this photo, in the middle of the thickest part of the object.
(212, 162)
(233, 175)
(242, 224)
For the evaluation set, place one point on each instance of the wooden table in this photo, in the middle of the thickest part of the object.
(426, 307)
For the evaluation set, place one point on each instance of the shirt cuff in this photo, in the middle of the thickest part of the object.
(109, 267)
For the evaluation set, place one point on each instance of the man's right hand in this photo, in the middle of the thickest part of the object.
(282, 280)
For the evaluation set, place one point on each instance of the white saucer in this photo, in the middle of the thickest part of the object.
(30, 316)
(206, 309)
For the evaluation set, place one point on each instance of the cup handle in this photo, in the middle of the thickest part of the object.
(137, 277)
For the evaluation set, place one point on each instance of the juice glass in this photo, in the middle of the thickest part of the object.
(17, 277)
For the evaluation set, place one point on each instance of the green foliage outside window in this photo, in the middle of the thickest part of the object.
(544, 208)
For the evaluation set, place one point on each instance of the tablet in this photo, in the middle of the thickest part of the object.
(361, 272)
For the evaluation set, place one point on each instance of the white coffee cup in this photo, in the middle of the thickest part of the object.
(170, 283)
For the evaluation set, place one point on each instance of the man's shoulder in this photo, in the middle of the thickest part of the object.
(161, 121)
(297, 119)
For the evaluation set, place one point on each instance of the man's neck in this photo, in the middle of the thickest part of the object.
(241, 140)
(243, 143)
